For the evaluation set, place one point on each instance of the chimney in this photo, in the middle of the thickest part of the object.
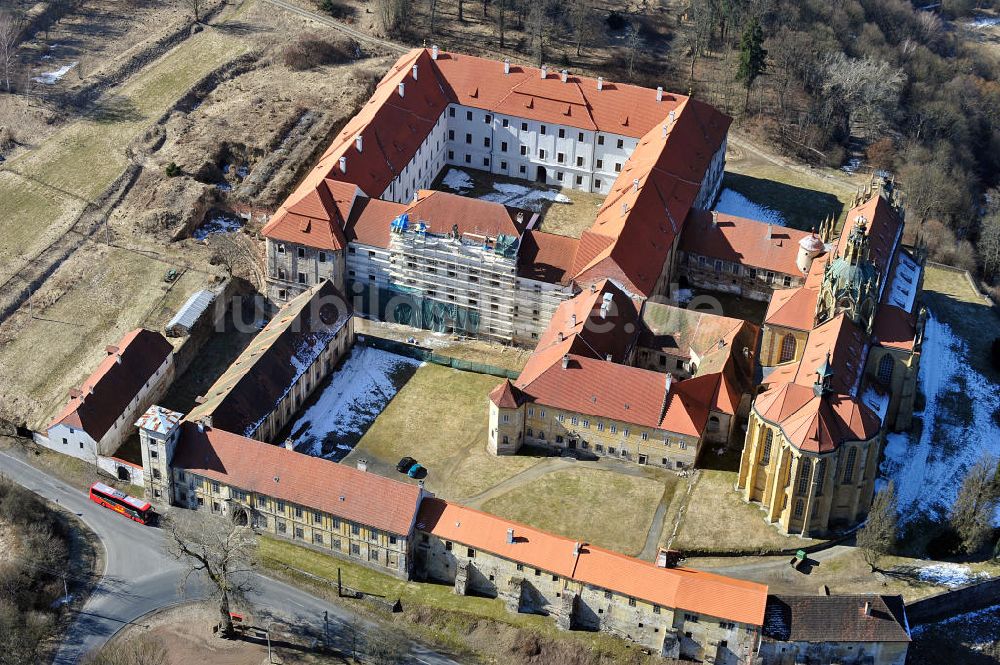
(600, 83)
(118, 358)
(201, 426)
(593, 288)
(561, 336)
(769, 232)
(545, 71)
(672, 117)
(670, 381)
(635, 184)
(576, 548)
(434, 52)
(90, 390)
(289, 444)
(604, 310)
(362, 464)
(664, 131)
(111, 350)
(565, 75)
(868, 608)
(659, 93)
(572, 320)
(624, 207)
(343, 164)
(358, 143)
(402, 88)
(565, 361)
(608, 356)
(414, 72)
(715, 218)
(506, 65)
(510, 536)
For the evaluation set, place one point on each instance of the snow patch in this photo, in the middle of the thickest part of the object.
(903, 291)
(877, 402)
(949, 574)
(928, 471)
(852, 165)
(355, 395)
(986, 619)
(734, 203)
(457, 181)
(521, 196)
(982, 21)
(218, 223)
(51, 78)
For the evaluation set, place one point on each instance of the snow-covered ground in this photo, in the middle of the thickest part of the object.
(509, 194)
(928, 471)
(51, 78)
(217, 223)
(349, 402)
(983, 21)
(734, 203)
(986, 622)
(949, 574)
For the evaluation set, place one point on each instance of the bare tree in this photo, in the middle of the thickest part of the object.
(867, 89)
(989, 235)
(634, 44)
(972, 514)
(384, 647)
(140, 650)
(10, 33)
(224, 550)
(392, 15)
(501, 19)
(241, 254)
(581, 16)
(878, 535)
(196, 7)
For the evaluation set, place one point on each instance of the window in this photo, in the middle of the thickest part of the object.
(765, 457)
(524, 151)
(317, 518)
(471, 553)
(542, 131)
(787, 348)
(631, 602)
(600, 427)
(599, 163)
(804, 476)
(645, 436)
(302, 278)
(152, 453)
(301, 253)
(599, 448)
(597, 184)
(852, 456)
(607, 595)
(506, 418)
(279, 506)
(451, 155)
(355, 530)
(520, 567)
(503, 165)
(373, 555)
(355, 549)
(393, 540)
(468, 138)
(486, 161)
(318, 538)
(503, 146)
(560, 157)
(322, 257)
(820, 477)
(541, 154)
(579, 137)
(468, 115)
(468, 159)
(625, 432)
(618, 167)
(621, 144)
(451, 112)
(786, 281)
(656, 609)
(262, 502)
(524, 126)
(579, 180)
(586, 423)
(718, 265)
(562, 133)
(298, 512)
(574, 420)
(504, 122)
(885, 369)
(156, 473)
(282, 294)
(281, 249)
(298, 532)
(798, 508)
(486, 142)
(281, 526)
(693, 618)
(600, 139)
(451, 134)
(487, 118)
(613, 428)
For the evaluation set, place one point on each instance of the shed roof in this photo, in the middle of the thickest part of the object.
(191, 310)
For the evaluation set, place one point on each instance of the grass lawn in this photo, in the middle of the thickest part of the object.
(952, 299)
(49, 185)
(802, 198)
(575, 218)
(717, 519)
(439, 418)
(115, 291)
(619, 508)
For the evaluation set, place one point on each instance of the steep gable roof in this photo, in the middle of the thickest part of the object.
(107, 392)
(839, 618)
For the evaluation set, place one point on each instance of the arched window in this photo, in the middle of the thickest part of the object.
(804, 476)
(713, 424)
(787, 348)
(885, 369)
(852, 455)
(798, 508)
(765, 457)
(820, 477)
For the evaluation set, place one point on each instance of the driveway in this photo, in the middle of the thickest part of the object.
(139, 577)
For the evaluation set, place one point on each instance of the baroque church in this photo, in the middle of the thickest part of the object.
(840, 356)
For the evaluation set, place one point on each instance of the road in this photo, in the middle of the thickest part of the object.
(140, 577)
(339, 26)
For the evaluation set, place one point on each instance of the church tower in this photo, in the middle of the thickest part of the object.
(850, 282)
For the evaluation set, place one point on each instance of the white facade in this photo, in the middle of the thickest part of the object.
(517, 147)
(426, 163)
(78, 443)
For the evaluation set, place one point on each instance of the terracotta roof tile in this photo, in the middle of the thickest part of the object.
(744, 241)
(506, 396)
(546, 257)
(337, 489)
(680, 588)
(813, 423)
(106, 393)
(839, 618)
(792, 308)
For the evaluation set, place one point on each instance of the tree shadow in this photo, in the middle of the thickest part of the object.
(116, 109)
(802, 208)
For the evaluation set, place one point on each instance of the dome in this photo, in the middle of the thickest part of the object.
(812, 243)
(851, 277)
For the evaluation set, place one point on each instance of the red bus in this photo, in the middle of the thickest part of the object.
(129, 506)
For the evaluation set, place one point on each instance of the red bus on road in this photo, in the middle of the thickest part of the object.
(129, 506)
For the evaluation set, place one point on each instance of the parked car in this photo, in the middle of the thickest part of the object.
(416, 470)
(405, 464)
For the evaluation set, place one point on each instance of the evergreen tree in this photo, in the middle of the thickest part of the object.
(878, 535)
(753, 58)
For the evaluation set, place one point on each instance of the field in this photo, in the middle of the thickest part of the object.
(715, 518)
(565, 502)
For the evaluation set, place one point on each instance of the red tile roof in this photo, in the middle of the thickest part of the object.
(840, 618)
(680, 588)
(846, 344)
(745, 241)
(895, 328)
(506, 396)
(884, 230)
(369, 221)
(316, 218)
(546, 257)
(106, 393)
(792, 308)
(818, 424)
(441, 211)
(313, 482)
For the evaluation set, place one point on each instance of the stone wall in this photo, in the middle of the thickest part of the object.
(957, 601)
